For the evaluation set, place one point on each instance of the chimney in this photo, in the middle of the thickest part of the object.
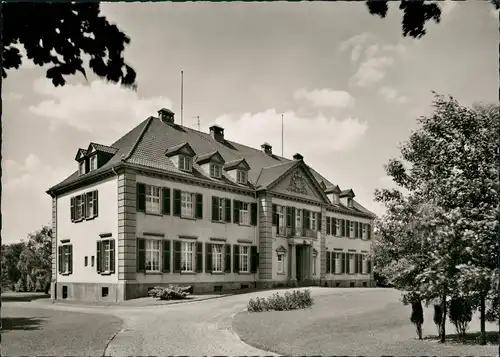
(166, 115)
(298, 157)
(268, 149)
(217, 133)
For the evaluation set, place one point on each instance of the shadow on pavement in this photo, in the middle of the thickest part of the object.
(20, 323)
(24, 297)
(472, 338)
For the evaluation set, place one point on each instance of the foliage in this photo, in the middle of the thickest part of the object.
(417, 316)
(9, 273)
(415, 14)
(438, 317)
(172, 292)
(460, 314)
(59, 34)
(297, 299)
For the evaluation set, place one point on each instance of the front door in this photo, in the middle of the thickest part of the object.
(298, 263)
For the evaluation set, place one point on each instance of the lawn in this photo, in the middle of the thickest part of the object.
(352, 322)
(30, 332)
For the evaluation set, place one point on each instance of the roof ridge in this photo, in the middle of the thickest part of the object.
(282, 163)
(139, 138)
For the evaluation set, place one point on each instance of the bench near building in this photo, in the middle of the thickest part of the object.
(166, 204)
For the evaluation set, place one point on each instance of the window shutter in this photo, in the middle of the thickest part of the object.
(199, 205)
(254, 259)
(72, 209)
(307, 219)
(141, 255)
(59, 259)
(199, 257)
(70, 257)
(328, 225)
(236, 211)
(334, 263)
(227, 260)
(253, 214)
(208, 258)
(334, 226)
(342, 228)
(360, 261)
(177, 256)
(141, 197)
(356, 264)
(166, 256)
(318, 217)
(87, 197)
(275, 215)
(343, 269)
(355, 229)
(369, 231)
(289, 216)
(215, 208)
(165, 209)
(227, 203)
(328, 262)
(95, 205)
(236, 258)
(112, 256)
(98, 255)
(177, 203)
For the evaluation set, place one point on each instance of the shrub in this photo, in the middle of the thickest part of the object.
(460, 314)
(172, 292)
(290, 301)
(438, 318)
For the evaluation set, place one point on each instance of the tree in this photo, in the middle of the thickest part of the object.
(415, 14)
(10, 257)
(58, 34)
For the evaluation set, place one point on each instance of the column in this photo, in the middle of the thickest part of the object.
(293, 262)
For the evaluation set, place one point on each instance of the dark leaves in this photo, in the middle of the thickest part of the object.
(59, 34)
(377, 7)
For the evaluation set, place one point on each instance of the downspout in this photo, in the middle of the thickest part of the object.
(117, 265)
(53, 295)
(256, 235)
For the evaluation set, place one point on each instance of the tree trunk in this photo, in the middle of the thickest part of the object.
(443, 321)
(482, 309)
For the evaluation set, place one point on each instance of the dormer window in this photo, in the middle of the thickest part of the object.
(349, 202)
(242, 177)
(185, 163)
(93, 163)
(81, 167)
(215, 170)
(335, 198)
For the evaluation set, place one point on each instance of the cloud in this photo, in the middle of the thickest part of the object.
(391, 95)
(329, 133)
(97, 107)
(326, 97)
(356, 44)
(371, 71)
(387, 182)
(12, 96)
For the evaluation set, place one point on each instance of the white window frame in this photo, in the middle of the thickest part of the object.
(364, 267)
(153, 199)
(222, 209)
(106, 255)
(153, 255)
(298, 222)
(185, 163)
(218, 258)
(244, 213)
(81, 167)
(351, 229)
(337, 227)
(352, 263)
(187, 204)
(281, 263)
(313, 221)
(241, 177)
(338, 262)
(90, 205)
(93, 163)
(244, 259)
(365, 231)
(215, 170)
(65, 259)
(187, 257)
(80, 206)
(280, 210)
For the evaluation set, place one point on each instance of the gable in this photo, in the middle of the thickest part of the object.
(298, 183)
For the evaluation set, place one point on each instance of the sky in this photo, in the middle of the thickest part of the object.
(349, 85)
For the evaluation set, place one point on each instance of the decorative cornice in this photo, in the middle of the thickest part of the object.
(152, 234)
(105, 235)
(246, 241)
(185, 236)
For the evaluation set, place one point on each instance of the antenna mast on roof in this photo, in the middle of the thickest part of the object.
(198, 122)
(182, 96)
(282, 135)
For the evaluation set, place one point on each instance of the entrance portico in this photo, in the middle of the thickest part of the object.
(300, 260)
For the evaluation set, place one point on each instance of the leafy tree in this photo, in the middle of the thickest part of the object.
(415, 14)
(59, 34)
(10, 257)
(460, 314)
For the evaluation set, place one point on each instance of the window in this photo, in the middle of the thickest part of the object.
(187, 256)
(92, 259)
(93, 163)
(365, 264)
(351, 229)
(153, 247)
(364, 231)
(314, 264)
(65, 259)
(105, 256)
(215, 170)
(338, 263)
(80, 207)
(185, 163)
(90, 204)
(244, 214)
(349, 202)
(313, 221)
(298, 222)
(242, 177)
(187, 204)
(86, 261)
(281, 220)
(281, 263)
(81, 167)
(244, 258)
(352, 263)
(152, 199)
(337, 226)
(221, 209)
(217, 258)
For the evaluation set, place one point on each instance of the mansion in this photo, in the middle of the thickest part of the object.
(166, 204)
